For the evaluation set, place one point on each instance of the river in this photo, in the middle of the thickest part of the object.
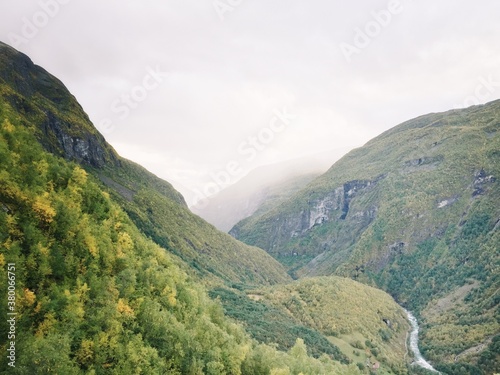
(419, 359)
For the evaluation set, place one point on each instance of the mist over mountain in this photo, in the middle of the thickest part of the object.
(262, 189)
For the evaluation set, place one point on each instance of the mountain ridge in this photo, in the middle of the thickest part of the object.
(94, 295)
(39, 96)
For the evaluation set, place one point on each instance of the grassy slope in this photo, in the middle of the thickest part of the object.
(351, 314)
(329, 313)
(212, 254)
(415, 245)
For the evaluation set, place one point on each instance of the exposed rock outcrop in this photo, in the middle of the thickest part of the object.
(334, 206)
(481, 180)
(65, 129)
(87, 148)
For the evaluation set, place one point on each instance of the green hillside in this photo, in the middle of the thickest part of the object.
(365, 323)
(114, 274)
(213, 255)
(415, 211)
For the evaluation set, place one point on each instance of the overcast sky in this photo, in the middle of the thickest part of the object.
(194, 89)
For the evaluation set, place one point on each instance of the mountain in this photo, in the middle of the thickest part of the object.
(260, 190)
(59, 123)
(416, 212)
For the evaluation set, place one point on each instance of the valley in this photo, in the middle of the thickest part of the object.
(116, 275)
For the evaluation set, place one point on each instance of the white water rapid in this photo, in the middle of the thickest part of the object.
(419, 359)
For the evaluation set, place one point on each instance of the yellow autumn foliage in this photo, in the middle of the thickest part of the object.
(48, 323)
(125, 244)
(79, 176)
(7, 126)
(43, 209)
(85, 354)
(91, 244)
(29, 297)
(171, 295)
(280, 371)
(124, 309)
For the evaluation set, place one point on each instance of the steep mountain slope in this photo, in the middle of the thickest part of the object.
(42, 103)
(260, 190)
(415, 211)
(92, 295)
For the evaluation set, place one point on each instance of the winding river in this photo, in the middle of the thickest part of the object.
(419, 359)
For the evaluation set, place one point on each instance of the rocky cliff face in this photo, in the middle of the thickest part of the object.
(318, 213)
(403, 187)
(335, 205)
(85, 148)
(64, 128)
